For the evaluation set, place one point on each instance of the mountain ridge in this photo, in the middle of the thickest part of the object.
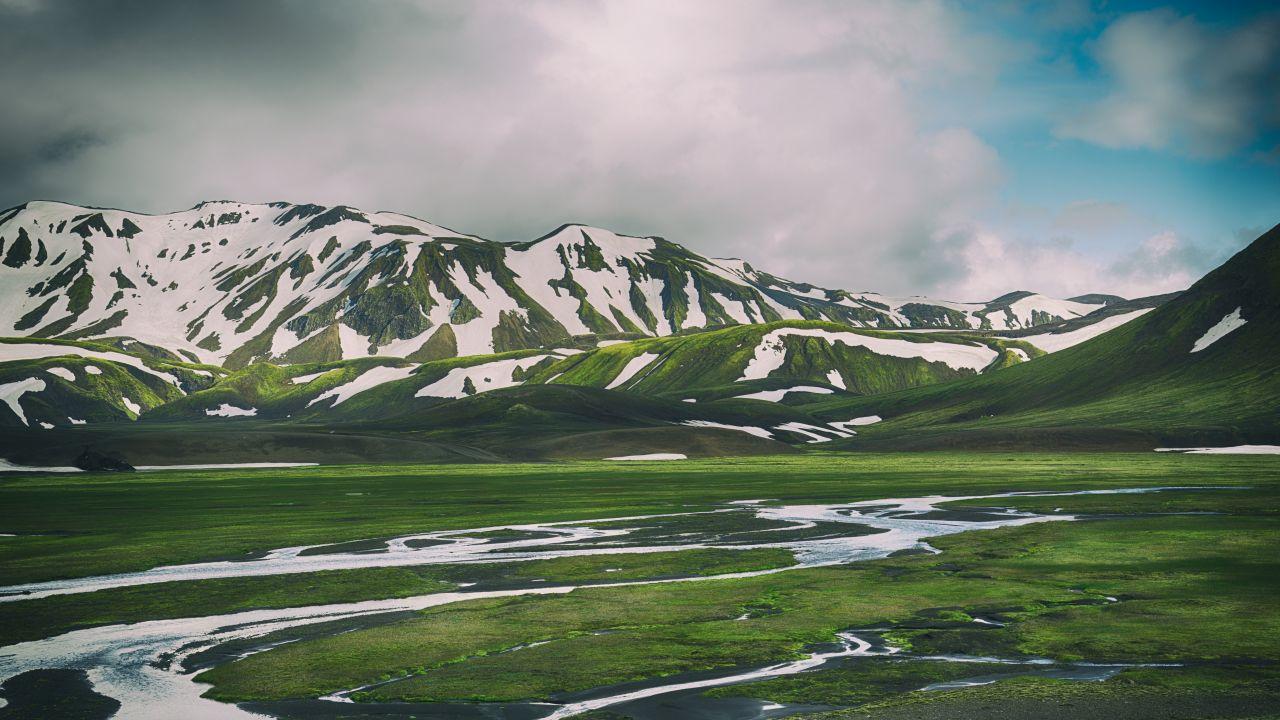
(310, 283)
(1191, 368)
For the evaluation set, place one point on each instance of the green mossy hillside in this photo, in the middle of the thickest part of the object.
(686, 364)
(1137, 386)
(99, 389)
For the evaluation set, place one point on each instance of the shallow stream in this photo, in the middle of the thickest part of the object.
(148, 666)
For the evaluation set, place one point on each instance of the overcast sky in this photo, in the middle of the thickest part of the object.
(943, 148)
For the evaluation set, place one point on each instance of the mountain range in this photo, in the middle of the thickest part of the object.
(231, 283)
(301, 332)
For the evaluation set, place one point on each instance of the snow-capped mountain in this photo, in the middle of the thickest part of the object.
(229, 283)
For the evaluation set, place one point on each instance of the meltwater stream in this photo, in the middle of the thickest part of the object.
(141, 665)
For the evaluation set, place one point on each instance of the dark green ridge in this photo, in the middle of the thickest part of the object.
(1136, 386)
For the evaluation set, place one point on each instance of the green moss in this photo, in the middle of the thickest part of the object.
(332, 216)
(858, 683)
(86, 225)
(442, 344)
(624, 322)
(301, 267)
(100, 327)
(259, 347)
(210, 342)
(122, 281)
(1031, 574)
(347, 259)
(514, 332)
(587, 313)
(387, 312)
(233, 276)
(128, 230)
(19, 251)
(923, 315)
(32, 620)
(463, 312)
(258, 295)
(717, 359)
(323, 347)
(330, 245)
(35, 315)
(397, 230)
(640, 305)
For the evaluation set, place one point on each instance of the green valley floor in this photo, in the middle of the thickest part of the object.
(1118, 604)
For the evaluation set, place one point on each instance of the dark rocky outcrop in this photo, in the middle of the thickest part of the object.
(94, 460)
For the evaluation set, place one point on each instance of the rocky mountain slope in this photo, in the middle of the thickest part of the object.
(229, 283)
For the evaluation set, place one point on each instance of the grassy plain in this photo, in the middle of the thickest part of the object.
(1196, 589)
(90, 524)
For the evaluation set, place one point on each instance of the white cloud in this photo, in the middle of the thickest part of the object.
(1179, 84)
(788, 133)
(989, 264)
(825, 140)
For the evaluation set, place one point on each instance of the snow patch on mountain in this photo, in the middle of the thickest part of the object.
(35, 351)
(229, 410)
(694, 316)
(735, 308)
(848, 425)
(778, 395)
(6, 466)
(367, 380)
(815, 433)
(302, 379)
(1053, 342)
(352, 343)
(484, 377)
(1024, 310)
(1231, 322)
(11, 394)
(771, 353)
(749, 429)
(1234, 450)
(61, 372)
(633, 366)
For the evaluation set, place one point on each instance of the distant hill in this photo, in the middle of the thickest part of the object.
(1098, 298)
(1202, 368)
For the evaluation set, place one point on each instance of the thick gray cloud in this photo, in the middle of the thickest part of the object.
(797, 135)
(782, 132)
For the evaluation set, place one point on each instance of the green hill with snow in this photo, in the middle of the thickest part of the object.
(1201, 369)
(404, 337)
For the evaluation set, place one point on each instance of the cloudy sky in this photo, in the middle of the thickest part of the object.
(953, 149)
